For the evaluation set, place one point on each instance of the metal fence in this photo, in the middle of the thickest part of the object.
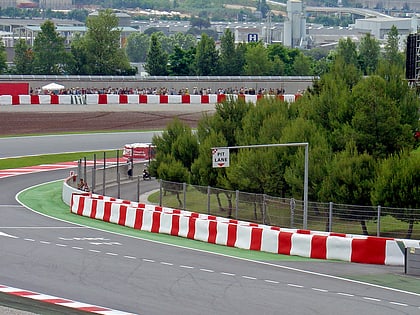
(289, 212)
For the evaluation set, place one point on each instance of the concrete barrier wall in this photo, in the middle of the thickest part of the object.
(103, 99)
(241, 234)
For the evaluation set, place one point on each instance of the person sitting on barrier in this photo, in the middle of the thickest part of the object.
(83, 185)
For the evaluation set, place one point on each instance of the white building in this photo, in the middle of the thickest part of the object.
(295, 25)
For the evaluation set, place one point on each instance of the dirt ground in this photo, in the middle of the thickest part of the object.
(95, 118)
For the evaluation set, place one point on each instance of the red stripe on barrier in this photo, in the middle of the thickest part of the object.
(194, 215)
(163, 99)
(138, 221)
(211, 217)
(123, 215)
(205, 99)
(285, 243)
(221, 98)
(102, 99)
(275, 228)
(15, 100)
(319, 247)
(54, 99)
(191, 228)
(157, 208)
(241, 97)
(212, 232)
(155, 222)
(142, 99)
(338, 234)
(141, 205)
(176, 211)
(123, 99)
(280, 97)
(185, 99)
(256, 238)
(175, 225)
(232, 234)
(371, 250)
(35, 99)
(107, 211)
(94, 207)
(297, 96)
(81, 205)
(303, 231)
(259, 96)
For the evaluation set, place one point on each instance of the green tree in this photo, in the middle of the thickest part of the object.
(79, 61)
(50, 56)
(349, 181)
(302, 65)
(396, 185)
(102, 44)
(347, 50)
(392, 54)
(157, 59)
(228, 61)
(257, 61)
(369, 53)
(200, 22)
(24, 57)
(206, 57)
(181, 62)
(3, 58)
(137, 47)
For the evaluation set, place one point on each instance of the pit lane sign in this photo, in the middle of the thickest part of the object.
(220, 157)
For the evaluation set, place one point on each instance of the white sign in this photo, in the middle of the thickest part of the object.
(252, 38)
(220, 157)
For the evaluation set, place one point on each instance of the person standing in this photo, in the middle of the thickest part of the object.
(130, 168)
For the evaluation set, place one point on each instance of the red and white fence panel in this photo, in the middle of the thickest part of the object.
(103, 99)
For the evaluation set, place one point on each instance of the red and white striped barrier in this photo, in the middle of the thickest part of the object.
(103, 99)
(241, 234)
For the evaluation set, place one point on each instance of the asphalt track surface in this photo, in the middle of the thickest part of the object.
(147, 277)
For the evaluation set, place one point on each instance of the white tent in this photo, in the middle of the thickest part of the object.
(53, 87)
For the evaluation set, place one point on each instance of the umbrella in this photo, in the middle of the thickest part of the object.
(53, 87)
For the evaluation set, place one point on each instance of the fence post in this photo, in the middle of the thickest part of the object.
(184, 191)
(330, 216)
(264, 207)
(93, 186)
(236, 204)
(79, 168)
(118, 186)
(208, 199)
(138, 188)
(160, 192)
(84, 169)
(378, 225)
(103, 175)
(292, 212)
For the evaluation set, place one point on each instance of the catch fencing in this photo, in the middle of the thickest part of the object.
(289, 212)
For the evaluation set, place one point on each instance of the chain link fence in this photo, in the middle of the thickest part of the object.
(289, 212)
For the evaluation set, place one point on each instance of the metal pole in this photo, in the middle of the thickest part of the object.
(103, 175)
(208, 199)
(236, 204)
(94, 173)
(160, 192)
(330, 216)
(305, 188)
(138, 188)
(84, 169)
(378, 225)
(118, 186)
(184, 190)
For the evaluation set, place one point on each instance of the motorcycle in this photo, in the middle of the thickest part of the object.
(146, 175)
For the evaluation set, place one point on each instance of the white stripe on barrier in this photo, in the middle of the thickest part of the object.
(92, 99)
(212, 98)
(183, 226)
(195, 99)
(100, 210)
(44, 99)
(5, 100)
(153, 99)
(64, 99)
(201, 230)
(165, 223)
(133, 99)
(147, 221)
(130, 218)
(113, 99)
(174, 99)
(222, 233)
(270, 241)
(393, 254)
(339, 248)
(25, 99)
(301, 245)
(243, 237)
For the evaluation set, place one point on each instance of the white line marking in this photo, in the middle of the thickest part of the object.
(186, 267)
(228, 274)
(271, 281)
(399, 304)
(130, 257)
(75, 247)
(319, 290)
(345, 294)
(166, 263)
(249, 278)
(29, 239)
(206, 270)
(7, 235)
(371, 299)
(112, 254)
(94, 251)
(295, 285)
(148, 260)
(44, 242)
(61, 245)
